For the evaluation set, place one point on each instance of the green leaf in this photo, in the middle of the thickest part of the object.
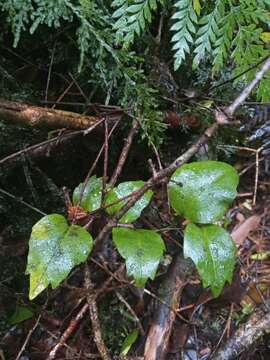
(213, 251)
(129, 341)
(21, 314)
(202, 191)
(92, 194)
(197, 6)
(142, 250)
(123, 190)
(54, 249)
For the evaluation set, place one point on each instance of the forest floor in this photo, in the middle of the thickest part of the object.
(202, 325)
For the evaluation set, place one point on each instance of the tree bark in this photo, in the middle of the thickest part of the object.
(50, 118)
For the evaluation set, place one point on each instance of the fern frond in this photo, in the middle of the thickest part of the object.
(50, 13)
(224, 41)
(18, 15)
(132, 18)
(209, 32)
(248, 47)
(185, 18)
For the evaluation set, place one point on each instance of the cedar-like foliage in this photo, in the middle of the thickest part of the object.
(114, 38)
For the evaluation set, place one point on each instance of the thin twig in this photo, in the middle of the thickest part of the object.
(28, 338)
(49, 73)
(92, 168)
(67, 333)
(105, 164)
(22, 202)
(78, 87)
(124, 153)
(230, 110)
(63, 94)
(93, 311)
(132, 312)
(231, 80)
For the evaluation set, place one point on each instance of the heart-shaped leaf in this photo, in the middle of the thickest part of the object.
(213, 251)
(54, 249)
(91, 199)
(142, 250)
(202, 191)
(123, 190)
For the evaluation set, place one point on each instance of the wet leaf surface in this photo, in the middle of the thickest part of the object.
(142, 250)
(91, 199)
(202, 191)
(123, 190)
(54, 249)
(213, 251)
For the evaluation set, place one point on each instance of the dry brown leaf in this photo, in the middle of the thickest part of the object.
(242, 231)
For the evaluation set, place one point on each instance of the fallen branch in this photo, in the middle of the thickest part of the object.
(43, 117)
(157, 342)
(248, 334)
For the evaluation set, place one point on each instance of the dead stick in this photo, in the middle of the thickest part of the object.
(257, 326)
(28, 338)
(157, 342)
(124, 153)
(70, 329)
(75, 322)
(93, 311)
(38, 116)
(105, 163)
(132, 312)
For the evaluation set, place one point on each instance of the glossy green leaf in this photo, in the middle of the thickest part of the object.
(129, 341)
(21, 314)
(213, 251)
(142, 250)
(123, 190)
(202, 191)
(54, 249)
(91, 199)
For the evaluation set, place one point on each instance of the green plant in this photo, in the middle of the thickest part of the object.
(201, 192)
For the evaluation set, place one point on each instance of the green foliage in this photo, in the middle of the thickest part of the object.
(213, 251)
(21, 314)
(129, 341)
(91, 196)
(54, 249)
(125, 189)
(185, 19)
(132, 18)
(22, 14)
(202, 191)
(208, 32)
(142, 250)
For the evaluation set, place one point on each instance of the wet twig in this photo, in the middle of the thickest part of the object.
(28, 338)
(124, 153)
(93, 311)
